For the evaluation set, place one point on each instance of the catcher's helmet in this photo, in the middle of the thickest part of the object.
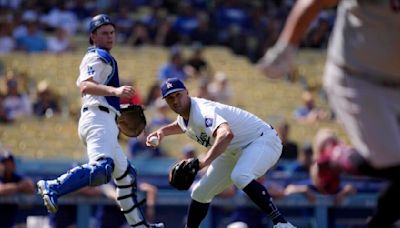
(99, 20)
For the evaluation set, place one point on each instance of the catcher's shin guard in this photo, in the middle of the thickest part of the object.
(88, 174)
(127, 199)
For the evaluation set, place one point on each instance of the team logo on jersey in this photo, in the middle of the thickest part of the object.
(208, 122)
(203, 139)
(90, 70)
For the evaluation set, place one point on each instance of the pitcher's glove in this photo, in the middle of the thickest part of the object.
(183, 173)
(132, 120)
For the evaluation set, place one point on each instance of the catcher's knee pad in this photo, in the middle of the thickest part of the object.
(127, 198)
(101, 171)
(241, 179)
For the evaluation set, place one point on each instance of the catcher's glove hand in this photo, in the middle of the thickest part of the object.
(182, 174)
(132, 120)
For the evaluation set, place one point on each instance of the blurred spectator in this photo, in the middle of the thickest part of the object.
(34, 40)
(82, 10)
(153, 21)
(310, 191)
(202, 89)
(15, 103)
(59, 42)
(124, 23)
(137, 147)
(160, 117)
(220, 88)
(3, 114)
(46, 103)
(322, 181)
(139, 35)
(256, 32)
(204, 33)
(308, 112)
(185, 23)
(248, 28)
(165, 35)
(318, 35)
(304, 160)
(18, 26)
(231, 20)
(59, 16)
(11, 183)
(7, 42)
(15, 4)
(174, 68)
(290, 149)
(197, 65)
(273, 30)
(152, 94)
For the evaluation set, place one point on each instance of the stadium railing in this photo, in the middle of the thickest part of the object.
(322, 211)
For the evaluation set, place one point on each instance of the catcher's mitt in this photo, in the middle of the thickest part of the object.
(182, 174)
(132, 120)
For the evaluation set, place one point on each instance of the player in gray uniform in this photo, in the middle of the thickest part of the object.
(362, 81)
(100, 92)
(241, 148)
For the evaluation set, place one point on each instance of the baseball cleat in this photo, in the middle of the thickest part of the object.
(49, 197)
(284, 225)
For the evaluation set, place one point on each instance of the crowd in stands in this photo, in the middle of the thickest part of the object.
(24, 98)
(246, 27)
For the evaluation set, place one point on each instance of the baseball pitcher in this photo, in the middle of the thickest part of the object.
(240, 148)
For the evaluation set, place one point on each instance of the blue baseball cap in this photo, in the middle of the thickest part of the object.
(98, 21)
(171, 85)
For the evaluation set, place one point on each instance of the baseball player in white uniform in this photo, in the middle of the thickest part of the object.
(241, 148)
(362, 81)
(100, 91)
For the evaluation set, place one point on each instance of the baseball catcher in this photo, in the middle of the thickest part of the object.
(132, 120)
(182, 174)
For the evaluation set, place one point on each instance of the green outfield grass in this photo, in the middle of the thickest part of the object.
(57, 137)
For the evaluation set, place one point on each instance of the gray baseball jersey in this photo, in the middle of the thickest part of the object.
(362, 77)
(366, 33)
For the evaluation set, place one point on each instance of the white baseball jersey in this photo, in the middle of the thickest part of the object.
(206, 116)
(254, 149)
(97, 128)
(93, 66)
